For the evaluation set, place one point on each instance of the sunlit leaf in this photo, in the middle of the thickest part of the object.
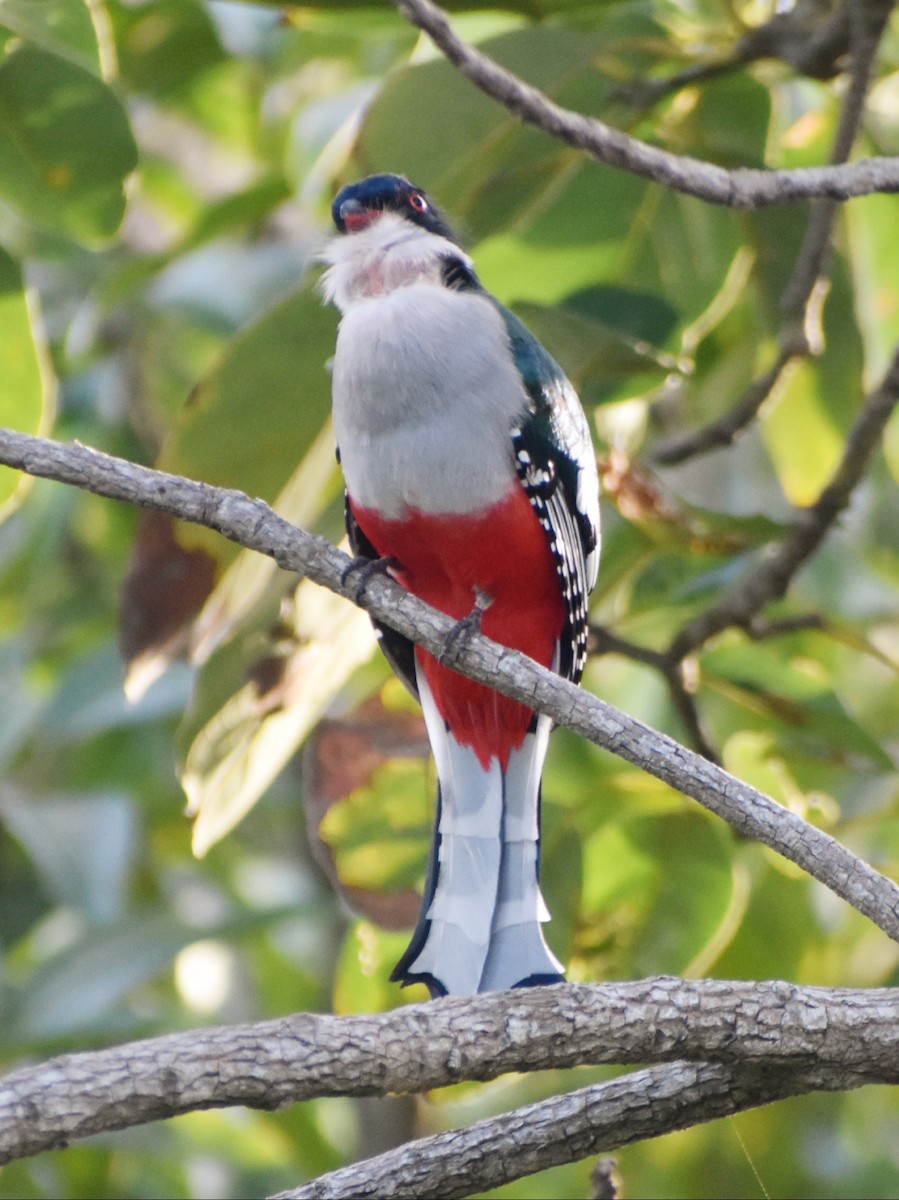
(248, 425)
(27, 384)
(870, 224)
(802, 437)
(361, 982)
(797, 701)
(380, 833)
(369, 802)
(656, 889)
(64, 27)
(248, 579)
(240, 751)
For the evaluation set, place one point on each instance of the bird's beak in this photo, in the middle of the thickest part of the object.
(355, 217)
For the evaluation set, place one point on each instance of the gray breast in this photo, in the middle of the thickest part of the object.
(425, 396)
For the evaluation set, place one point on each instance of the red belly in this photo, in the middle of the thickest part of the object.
(446, 560)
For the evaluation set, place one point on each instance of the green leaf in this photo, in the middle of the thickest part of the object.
(27, 385)
(728, 123)
(779, 933)
(251, 580)
(77, 987)
(246, 744)
(361, 982)
(380, 834)
(658, 889)
(594, 356)
(65, 145)
(802, 437)
(81, 844)
(551, 222)
(487, 165)
(64, 27)
(262, 409)
(871, 225)
(232, 215)
(164, 44)
(816, 725)
(258, 411)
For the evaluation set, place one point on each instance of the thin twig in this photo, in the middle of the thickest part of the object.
(802, 301)
(738, 188)
(684, 704)
(724, 430)
(604, 641)
(769, 580)
(814, 49)
(759, 629)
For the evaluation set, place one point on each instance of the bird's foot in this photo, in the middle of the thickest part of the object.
(366, 569)
(466, 627)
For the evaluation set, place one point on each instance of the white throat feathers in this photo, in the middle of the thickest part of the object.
(390, 253)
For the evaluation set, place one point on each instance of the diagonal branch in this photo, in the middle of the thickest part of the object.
(739, 188)
(850, 1036)
(724, 430)
(769, 581)
(251, 523)
(564, 1129)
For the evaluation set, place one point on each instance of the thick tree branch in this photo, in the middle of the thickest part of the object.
(847, 1036)
(251, 523)
(739, 188)
(564, 1129)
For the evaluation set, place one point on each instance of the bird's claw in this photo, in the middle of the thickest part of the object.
(465, 627)
(367, 569)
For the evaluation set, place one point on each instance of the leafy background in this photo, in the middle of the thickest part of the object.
(165, 174)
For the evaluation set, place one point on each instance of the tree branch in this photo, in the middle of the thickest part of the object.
(849, 1036)
(564, 1129)
(769, 581)
(603, 641)
(724, 430)
(738, 188)
(251, 523)
(802, 301)
(799, 37)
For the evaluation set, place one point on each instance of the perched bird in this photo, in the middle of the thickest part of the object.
(469, 469)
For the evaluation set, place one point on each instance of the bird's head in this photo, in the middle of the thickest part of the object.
(358, 205)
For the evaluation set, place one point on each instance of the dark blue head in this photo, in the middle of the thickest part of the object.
(358, 204)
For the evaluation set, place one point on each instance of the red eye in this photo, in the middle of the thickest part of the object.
(418, 202)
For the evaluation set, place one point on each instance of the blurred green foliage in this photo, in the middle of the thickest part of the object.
(165, 174)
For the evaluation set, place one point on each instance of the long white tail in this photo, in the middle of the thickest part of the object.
(479, 928)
